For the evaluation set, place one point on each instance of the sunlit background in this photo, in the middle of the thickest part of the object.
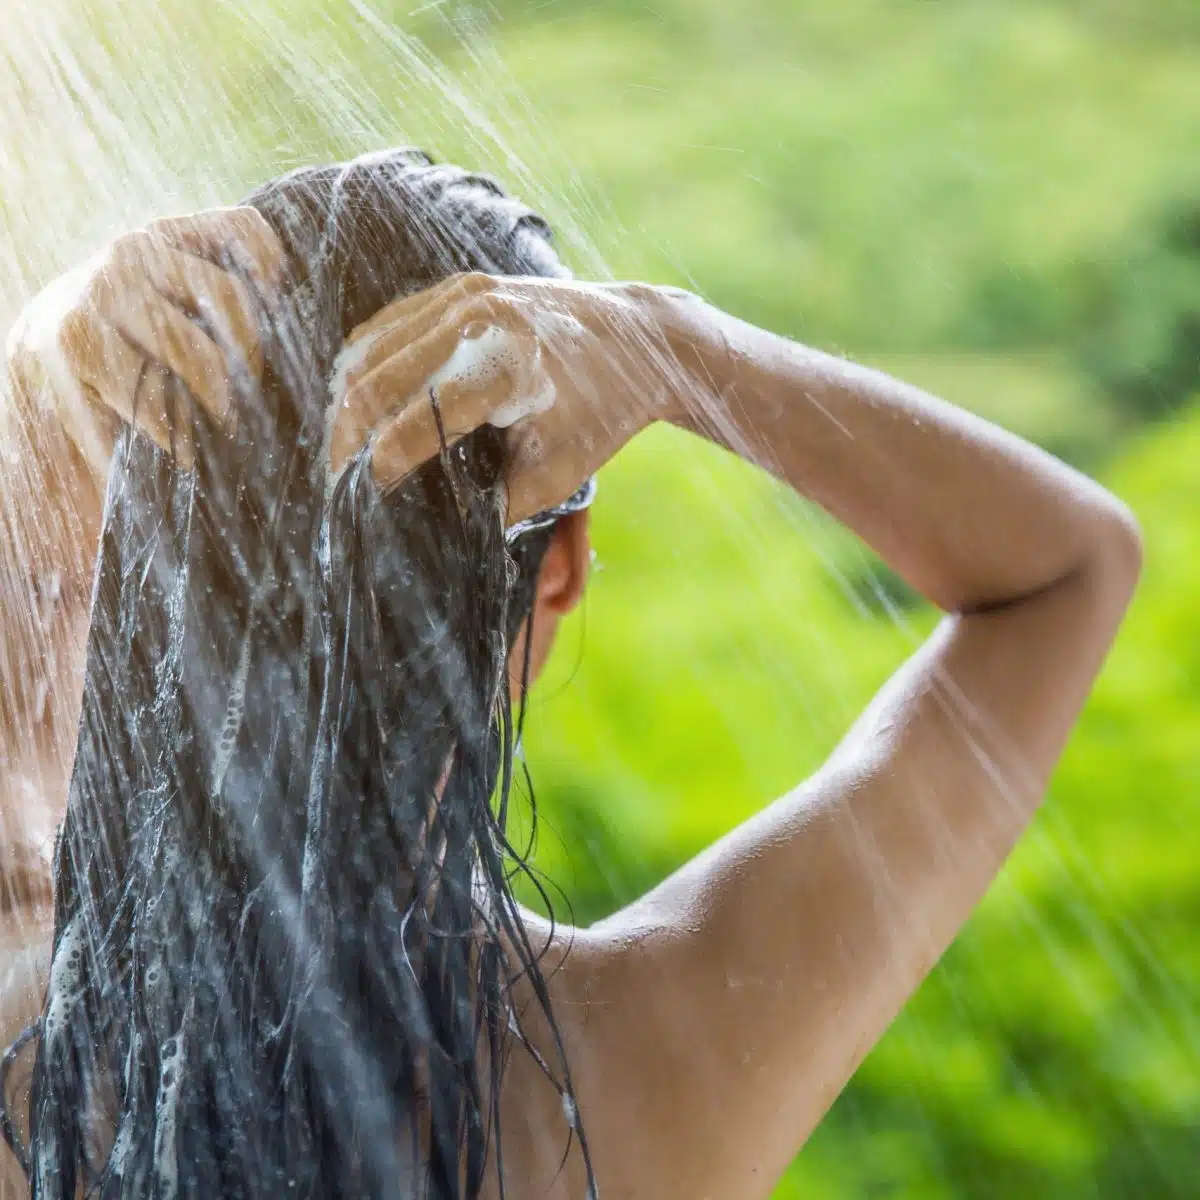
(1000, 202)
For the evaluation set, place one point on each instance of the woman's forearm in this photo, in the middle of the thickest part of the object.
(968, 514)
(49, 520)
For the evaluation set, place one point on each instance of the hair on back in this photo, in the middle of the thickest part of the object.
(281, 964)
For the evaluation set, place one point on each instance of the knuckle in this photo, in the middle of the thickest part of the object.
(476, 282)
(468, 309)
(156, 229)
(642, 294)
(128, 248)
(489, 308)
(244, 214)
(258, 235)
(249, 221)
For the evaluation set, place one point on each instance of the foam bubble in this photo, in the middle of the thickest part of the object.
(538, 401)
(66, 977)
(350, 358)
(479, 361)
(166, 1159)
(475, 363)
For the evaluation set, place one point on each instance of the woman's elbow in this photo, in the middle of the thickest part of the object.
(1118, 550)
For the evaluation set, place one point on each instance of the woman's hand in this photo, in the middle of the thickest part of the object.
(574, 370)
(100, 345)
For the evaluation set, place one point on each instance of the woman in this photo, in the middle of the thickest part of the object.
(285, 952)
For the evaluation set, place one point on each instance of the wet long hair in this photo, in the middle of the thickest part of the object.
(281, 964)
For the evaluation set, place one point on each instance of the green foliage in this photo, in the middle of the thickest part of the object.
(1128, 313)
(1143, 347)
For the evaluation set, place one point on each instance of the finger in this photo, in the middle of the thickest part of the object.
(219, 297)
(437, 296)
(84, 373)
(93, 429)
(161, 332)
(239, 236)
(117, 378)
(181, 416)
(473, 306)
(119, 385)
(92, 363)
(417, 436)
(420, 431)
(379, 393)
(162, 411)
(469, 317)
(150, 405)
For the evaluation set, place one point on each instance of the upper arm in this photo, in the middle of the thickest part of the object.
(724, 1012)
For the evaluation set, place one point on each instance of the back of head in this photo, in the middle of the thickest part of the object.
(280, 960)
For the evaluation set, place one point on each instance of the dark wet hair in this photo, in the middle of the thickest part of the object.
(281, 966)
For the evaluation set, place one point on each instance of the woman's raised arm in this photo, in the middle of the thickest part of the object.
(737, 999)
(96, 343)
(711, 1024)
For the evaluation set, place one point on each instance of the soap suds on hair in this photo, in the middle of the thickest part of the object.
(477, 362)
(350, 358)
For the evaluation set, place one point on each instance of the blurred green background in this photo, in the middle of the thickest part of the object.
(1000, 202)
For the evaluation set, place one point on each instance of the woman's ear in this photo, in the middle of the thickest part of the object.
(561, 580)
(565, 567)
